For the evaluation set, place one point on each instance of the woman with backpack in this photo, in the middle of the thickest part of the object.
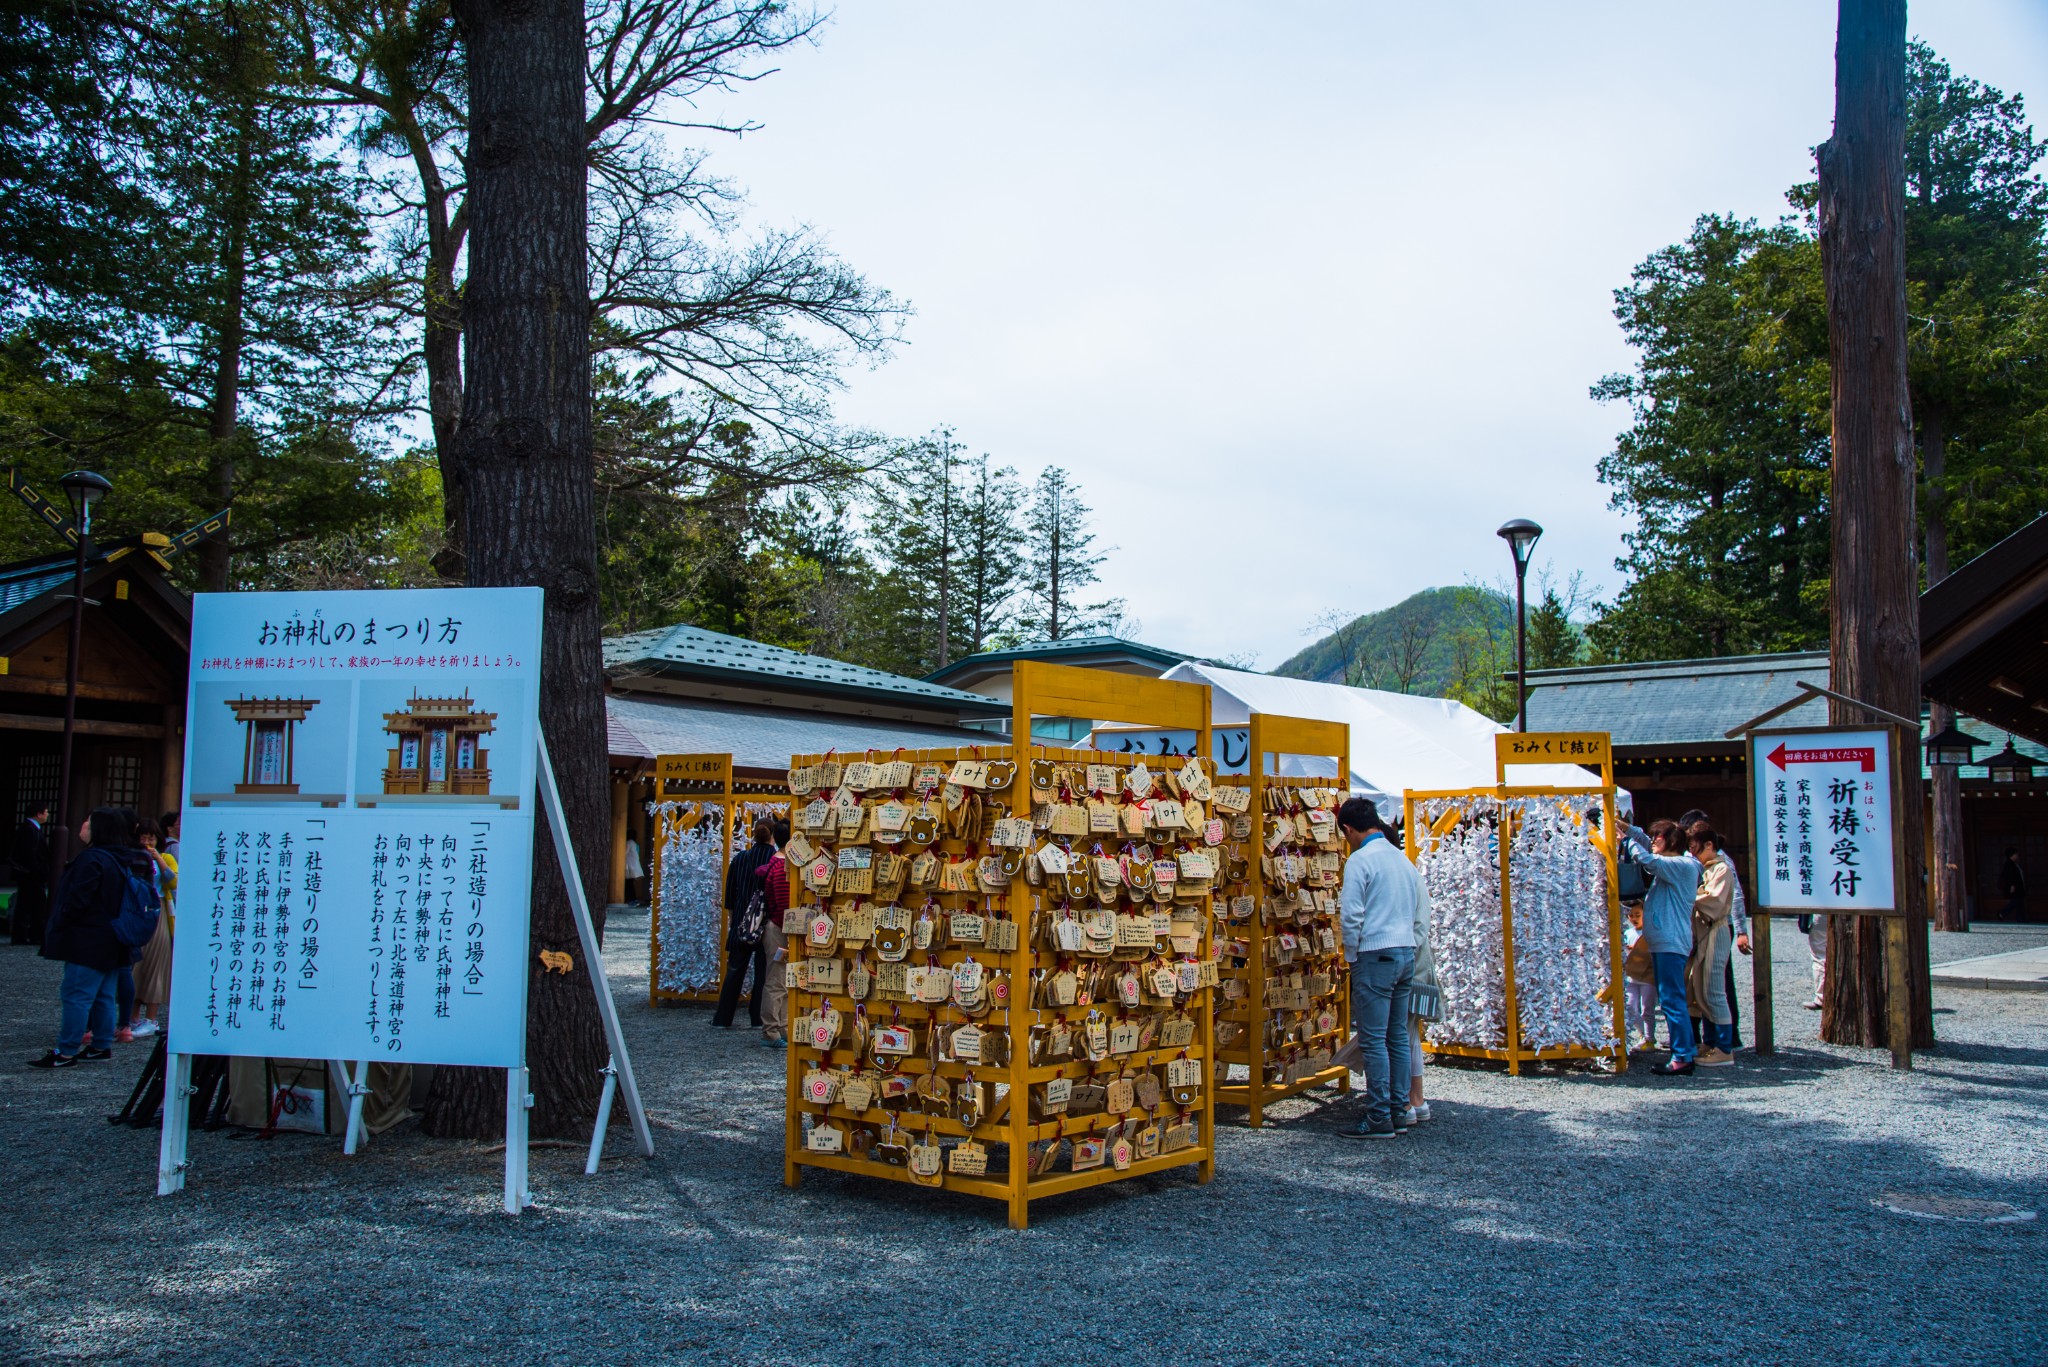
(94, 932)
(746, 905)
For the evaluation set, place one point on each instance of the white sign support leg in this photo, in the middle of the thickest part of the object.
(517, 1101)
(604, 1118)
(358, 1088)
(619, 1069)
(170, 1163)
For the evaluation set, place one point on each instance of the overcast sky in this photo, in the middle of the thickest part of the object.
(1307, 296)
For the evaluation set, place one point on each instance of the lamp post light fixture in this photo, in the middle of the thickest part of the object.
(2010, 766)
(1521, 535)
(83, 488)
(1952, 746)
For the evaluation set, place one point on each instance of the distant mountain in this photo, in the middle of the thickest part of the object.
(1412, 647)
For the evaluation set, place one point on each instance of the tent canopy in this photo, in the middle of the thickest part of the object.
(1398, 741)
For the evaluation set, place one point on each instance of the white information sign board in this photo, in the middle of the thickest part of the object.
(1824, 819)
(357, 852)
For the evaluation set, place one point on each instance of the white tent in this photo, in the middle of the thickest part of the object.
(1398, 741)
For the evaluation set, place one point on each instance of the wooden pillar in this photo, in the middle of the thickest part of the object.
(171, 766)
(622, 801)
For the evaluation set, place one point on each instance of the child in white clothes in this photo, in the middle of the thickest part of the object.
(1640, 1005)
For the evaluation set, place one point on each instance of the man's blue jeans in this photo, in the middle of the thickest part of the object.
(1380, 980)
(87, 996)
(1671, 998)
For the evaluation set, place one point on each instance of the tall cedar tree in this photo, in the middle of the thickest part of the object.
(1874, 626)
(754, 328)
(526, 452)
(1060, 563)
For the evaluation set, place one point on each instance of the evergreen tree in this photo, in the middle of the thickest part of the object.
(1553, 640)
(1061, 562)
(1724, 466)
(991, 553)
(918, 527)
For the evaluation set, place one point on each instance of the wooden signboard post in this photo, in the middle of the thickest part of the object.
(1824, 804)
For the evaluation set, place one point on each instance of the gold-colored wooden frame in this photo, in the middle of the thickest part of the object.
(1278, 735)
(705, 779)
(1038, 690)
(1513, 1051)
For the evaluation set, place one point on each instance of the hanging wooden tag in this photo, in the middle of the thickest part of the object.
(1122, 1096)
(1088, 1153)
(924, 1163)
(1145, 1089)
(825, 1139)
(857, 1093)
(1123, 1037)
(969, 1159)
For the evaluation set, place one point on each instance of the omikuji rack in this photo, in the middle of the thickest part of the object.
(688, 790)
(1546, 748)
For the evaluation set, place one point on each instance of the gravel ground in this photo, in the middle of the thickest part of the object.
(1559, 1218)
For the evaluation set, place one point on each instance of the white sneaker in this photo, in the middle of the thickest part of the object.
(1420, 1111)
(142, 1029)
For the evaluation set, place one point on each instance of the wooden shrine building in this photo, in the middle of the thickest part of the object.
(129, 741)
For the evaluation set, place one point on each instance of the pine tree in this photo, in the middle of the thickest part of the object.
(1060, 562)
(991, 558)
(1553, 640)
(918, 529)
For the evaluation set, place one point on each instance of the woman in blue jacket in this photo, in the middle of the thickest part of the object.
(1667, 928)
(81, 935)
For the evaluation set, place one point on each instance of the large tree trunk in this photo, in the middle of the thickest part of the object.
(1875, 623)
(1946, 878)
(216, 553)
(525, 450)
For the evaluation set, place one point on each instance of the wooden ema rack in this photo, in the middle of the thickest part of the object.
(1275, 736)
(707, 783)
(1536, 747)
(1010, 1134)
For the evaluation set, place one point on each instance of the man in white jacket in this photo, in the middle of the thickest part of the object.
(1381, 897)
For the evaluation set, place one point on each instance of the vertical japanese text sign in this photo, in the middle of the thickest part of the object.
(357, 853)
(1823, 816)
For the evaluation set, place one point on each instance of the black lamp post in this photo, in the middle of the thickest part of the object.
(83, 488)
(1521, 535)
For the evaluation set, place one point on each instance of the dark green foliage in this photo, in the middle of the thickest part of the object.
(1724, 467)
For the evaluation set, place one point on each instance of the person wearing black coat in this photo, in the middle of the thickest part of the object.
(741, 883)
(80, 935)
(31, 859)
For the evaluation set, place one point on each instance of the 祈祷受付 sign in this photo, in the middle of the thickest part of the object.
(1823, 806)
(356, 864)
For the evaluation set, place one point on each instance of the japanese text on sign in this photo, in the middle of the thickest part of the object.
(1824, 810)
(365, 821)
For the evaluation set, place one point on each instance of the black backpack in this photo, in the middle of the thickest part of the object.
(747, 926)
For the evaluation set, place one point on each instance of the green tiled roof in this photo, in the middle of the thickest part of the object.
(1676, 702)
(693, 652)
(1066, 647)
